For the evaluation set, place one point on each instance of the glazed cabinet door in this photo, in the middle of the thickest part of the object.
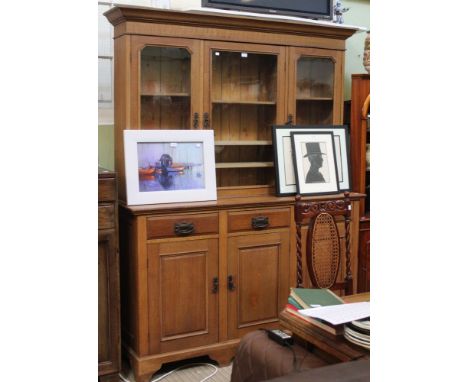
(168, 83)
(315, 86)
(244, 95)
(108, 295)
(257, 280)
(182, 294)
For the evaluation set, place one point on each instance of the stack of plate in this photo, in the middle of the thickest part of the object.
(358, 332)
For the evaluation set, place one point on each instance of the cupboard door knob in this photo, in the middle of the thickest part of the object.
(231, 285)
(206, 121)
(260, 222)
(196, 118)
(183, 228)
(290, 119)
(215, 285)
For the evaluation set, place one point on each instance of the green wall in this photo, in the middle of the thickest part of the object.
(106, 146)
(358, 15)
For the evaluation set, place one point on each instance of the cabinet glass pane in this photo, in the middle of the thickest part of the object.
(314, 91)
(243, 107)
(165, 88)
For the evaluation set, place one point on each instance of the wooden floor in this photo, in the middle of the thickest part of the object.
(190, 371)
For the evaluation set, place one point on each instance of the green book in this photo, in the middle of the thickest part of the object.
(293, 302)
(309, 298)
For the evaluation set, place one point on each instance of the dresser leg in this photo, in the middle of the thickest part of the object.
(223, 357)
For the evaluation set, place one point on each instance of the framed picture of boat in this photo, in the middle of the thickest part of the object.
(168, 166)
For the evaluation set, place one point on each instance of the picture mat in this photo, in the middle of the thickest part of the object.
(326, 140)
(131, 140)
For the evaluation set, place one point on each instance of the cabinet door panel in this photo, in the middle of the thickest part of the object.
(258, 264)
(182, 305)
(244, 95)
(167, 93)
(315, 86)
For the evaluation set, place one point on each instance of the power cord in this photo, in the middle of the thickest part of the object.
(294, 357)
(179, 368)
(289, 346)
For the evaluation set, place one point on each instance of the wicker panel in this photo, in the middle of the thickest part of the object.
(325, 260)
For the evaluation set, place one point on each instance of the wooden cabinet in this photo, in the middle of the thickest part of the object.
(360, 155)
(108, 279)
(197, 276)
(196, 290)
(236, 75)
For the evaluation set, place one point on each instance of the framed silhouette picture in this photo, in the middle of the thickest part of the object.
(284, 165)
(315, 163)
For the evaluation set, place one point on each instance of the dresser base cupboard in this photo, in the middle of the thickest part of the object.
(198, 276)
(197, 294)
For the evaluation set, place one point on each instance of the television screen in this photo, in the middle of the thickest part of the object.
(322, 9)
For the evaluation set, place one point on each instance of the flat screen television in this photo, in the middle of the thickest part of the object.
(315, 9)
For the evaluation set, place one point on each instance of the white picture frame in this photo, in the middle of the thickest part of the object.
(169, 166)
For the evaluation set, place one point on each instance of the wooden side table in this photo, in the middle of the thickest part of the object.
(334, 349)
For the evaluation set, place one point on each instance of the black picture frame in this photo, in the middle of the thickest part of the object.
(315, 167)
(284, 166)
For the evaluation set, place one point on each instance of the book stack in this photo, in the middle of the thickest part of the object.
(303, 298)
(358, 332)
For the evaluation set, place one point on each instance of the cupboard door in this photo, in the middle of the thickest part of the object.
(244, 96)
(315, 86)
(167, 90)
(257, 280)
(182, 297)
(108, 295)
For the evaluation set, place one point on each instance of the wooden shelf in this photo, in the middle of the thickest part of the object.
(166, 95)
(236, 102)
(243, 143)
(314, 98)
(244, 164)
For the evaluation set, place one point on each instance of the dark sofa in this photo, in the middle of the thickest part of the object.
(260, 359)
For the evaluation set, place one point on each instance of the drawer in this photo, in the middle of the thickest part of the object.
(106, 216)
(106, 190)
(181, 225)
(258, 219)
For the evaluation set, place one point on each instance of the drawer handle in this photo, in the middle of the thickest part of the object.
(260, 222)
(231, 285)
(183, 228)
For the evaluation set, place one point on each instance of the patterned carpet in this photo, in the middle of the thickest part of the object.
(190, 371)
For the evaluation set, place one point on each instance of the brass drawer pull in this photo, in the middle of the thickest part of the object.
(184, 228)
(260, 222)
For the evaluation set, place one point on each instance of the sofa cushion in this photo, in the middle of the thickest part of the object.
(258, 358)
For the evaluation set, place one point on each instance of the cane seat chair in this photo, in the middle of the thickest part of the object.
(323, 245)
